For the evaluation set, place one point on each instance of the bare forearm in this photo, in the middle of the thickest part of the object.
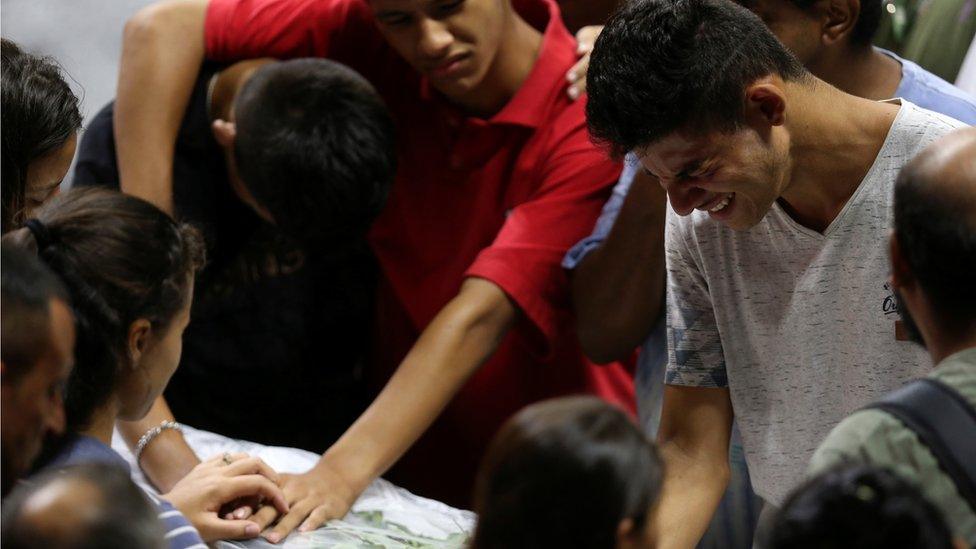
(448, 352)
(618, 289)
(162, 49)
(168, 458)
(691, 493)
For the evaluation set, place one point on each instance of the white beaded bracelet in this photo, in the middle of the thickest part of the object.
(151, 434)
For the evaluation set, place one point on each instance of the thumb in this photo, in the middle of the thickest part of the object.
(214, 528)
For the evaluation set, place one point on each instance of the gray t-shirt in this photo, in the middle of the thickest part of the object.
(799, 325)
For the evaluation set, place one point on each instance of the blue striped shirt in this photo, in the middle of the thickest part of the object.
(180, 534)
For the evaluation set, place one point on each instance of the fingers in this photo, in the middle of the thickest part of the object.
(288, 522)
(213, 528)
(252, 485)
(319, 516)
(586, 37)
(577, 78)
(251, 466)
(264, 516)
(240, 513)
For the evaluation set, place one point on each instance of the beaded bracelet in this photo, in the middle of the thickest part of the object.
(151, 434)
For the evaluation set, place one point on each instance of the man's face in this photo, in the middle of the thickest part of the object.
(32, 405)
(452, 42)
(797, 29)
(734, 177)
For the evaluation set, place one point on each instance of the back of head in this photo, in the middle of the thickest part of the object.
(121, 259)
(91, 506)
(315, 146)
(28, 287)
(39, 115)
(860, 507)
(565, 473)
(666, 65)
(935, 225)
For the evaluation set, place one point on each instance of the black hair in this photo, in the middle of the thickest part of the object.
(565, 473)
(936, 233)
(121, 259)
(122, 515)
(27, 288)
(315, 146)
(858, 506)
(40, 114)
(666, 65)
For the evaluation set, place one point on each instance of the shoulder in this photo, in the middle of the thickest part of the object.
(871, 436)
(916, 128)
(931, 92)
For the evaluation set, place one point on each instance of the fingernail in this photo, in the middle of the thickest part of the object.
(573, 92)
(273, 538)
(571, 76)
(252, 529)
(240, 513)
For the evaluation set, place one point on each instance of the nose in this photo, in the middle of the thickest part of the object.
(435, 39)
(683, 197)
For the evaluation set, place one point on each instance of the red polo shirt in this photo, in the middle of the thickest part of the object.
(500, 199)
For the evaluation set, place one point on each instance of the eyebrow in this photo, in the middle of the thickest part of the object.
(689, 168)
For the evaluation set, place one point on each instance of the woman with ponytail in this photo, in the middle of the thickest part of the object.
(129, 269)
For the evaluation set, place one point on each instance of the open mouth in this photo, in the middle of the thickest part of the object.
(722, 204)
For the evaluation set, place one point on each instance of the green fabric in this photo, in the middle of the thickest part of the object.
(936, 34)
(877, 438)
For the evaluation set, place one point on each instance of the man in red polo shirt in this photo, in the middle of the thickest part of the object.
(497, 178)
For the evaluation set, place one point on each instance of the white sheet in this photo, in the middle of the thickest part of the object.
(384, 516)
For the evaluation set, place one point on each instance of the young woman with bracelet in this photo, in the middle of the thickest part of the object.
(129, 269)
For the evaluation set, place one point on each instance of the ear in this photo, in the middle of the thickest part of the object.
(901, 273)
(625, 534)
(224, 132)
(766, 101)
(138, 340)
(839, 17)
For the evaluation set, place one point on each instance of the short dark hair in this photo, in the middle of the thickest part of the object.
(664, 65)
(315, 146)
(122, 517)
(936, 234)
(121, 259)
(40, 113)
(858, 506)
(564, 473)
(27, 288)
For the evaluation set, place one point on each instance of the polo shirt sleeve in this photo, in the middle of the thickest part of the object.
(695, 355)
(525, 257)
(243, 29)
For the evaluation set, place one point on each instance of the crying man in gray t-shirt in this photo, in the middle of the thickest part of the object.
(780, 189)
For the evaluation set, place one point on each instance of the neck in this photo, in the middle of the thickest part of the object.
(516, 55)
(226, 84)
(103, 423)
(834, 140)
(941, 343)
(860, 71)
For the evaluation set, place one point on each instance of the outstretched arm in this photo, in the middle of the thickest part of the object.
(461, 337)
(162, 49)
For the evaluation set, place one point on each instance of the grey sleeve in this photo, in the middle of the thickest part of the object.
(695, 356)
